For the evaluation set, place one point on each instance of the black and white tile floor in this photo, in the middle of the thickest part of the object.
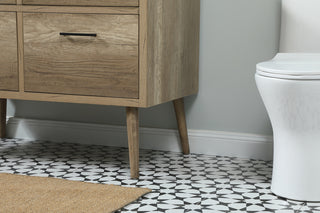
(192, 183)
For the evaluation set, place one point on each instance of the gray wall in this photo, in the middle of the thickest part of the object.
(235, 35)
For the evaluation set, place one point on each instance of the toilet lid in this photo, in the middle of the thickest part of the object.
(292, 66)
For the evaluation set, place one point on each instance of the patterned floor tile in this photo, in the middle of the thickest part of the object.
(180, 184)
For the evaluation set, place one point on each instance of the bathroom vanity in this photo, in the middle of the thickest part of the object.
(132, 53)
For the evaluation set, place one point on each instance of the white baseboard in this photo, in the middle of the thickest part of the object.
(201, 142)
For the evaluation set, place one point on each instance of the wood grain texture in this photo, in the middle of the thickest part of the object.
(143, 53)
(133, 139)
(68, 9)
(106, 65)
(182, 125)
(7, 1)
(3, 117)
(83, 2)
(8, 8)
(70, 98)
(172, 39)
(8, 53)
(20, 50)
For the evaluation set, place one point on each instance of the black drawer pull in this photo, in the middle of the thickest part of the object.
(79, 34)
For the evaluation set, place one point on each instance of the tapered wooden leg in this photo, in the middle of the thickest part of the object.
(182, 124)
(133, 140)
(3, 117)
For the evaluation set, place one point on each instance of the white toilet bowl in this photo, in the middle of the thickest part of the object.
(289, 86)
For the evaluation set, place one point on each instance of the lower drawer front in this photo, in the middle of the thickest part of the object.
(81, 54)
(8, 52)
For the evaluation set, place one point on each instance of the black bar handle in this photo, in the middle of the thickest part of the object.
(79, 34)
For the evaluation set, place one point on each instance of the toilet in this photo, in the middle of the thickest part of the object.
(289, 85)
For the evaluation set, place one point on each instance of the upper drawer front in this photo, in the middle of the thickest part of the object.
(7, 1)
(81, 63)
(8, 52)
(84, 2)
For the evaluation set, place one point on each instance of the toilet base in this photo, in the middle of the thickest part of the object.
(294, 110)
(286, 198)
(296, 169)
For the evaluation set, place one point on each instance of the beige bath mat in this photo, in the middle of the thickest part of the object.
(26, 194)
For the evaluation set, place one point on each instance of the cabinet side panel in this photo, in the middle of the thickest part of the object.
(173, 49)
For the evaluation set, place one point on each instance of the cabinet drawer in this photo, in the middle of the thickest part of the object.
(7, 1)
(81, 54)
(8, 52)
(127, 3)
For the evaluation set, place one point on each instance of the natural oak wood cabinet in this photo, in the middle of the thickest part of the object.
(104, 64)
(8, 52)
(83, 2)
(7, 1)
(132, 53)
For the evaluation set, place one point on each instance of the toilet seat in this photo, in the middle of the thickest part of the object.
(295, 66)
